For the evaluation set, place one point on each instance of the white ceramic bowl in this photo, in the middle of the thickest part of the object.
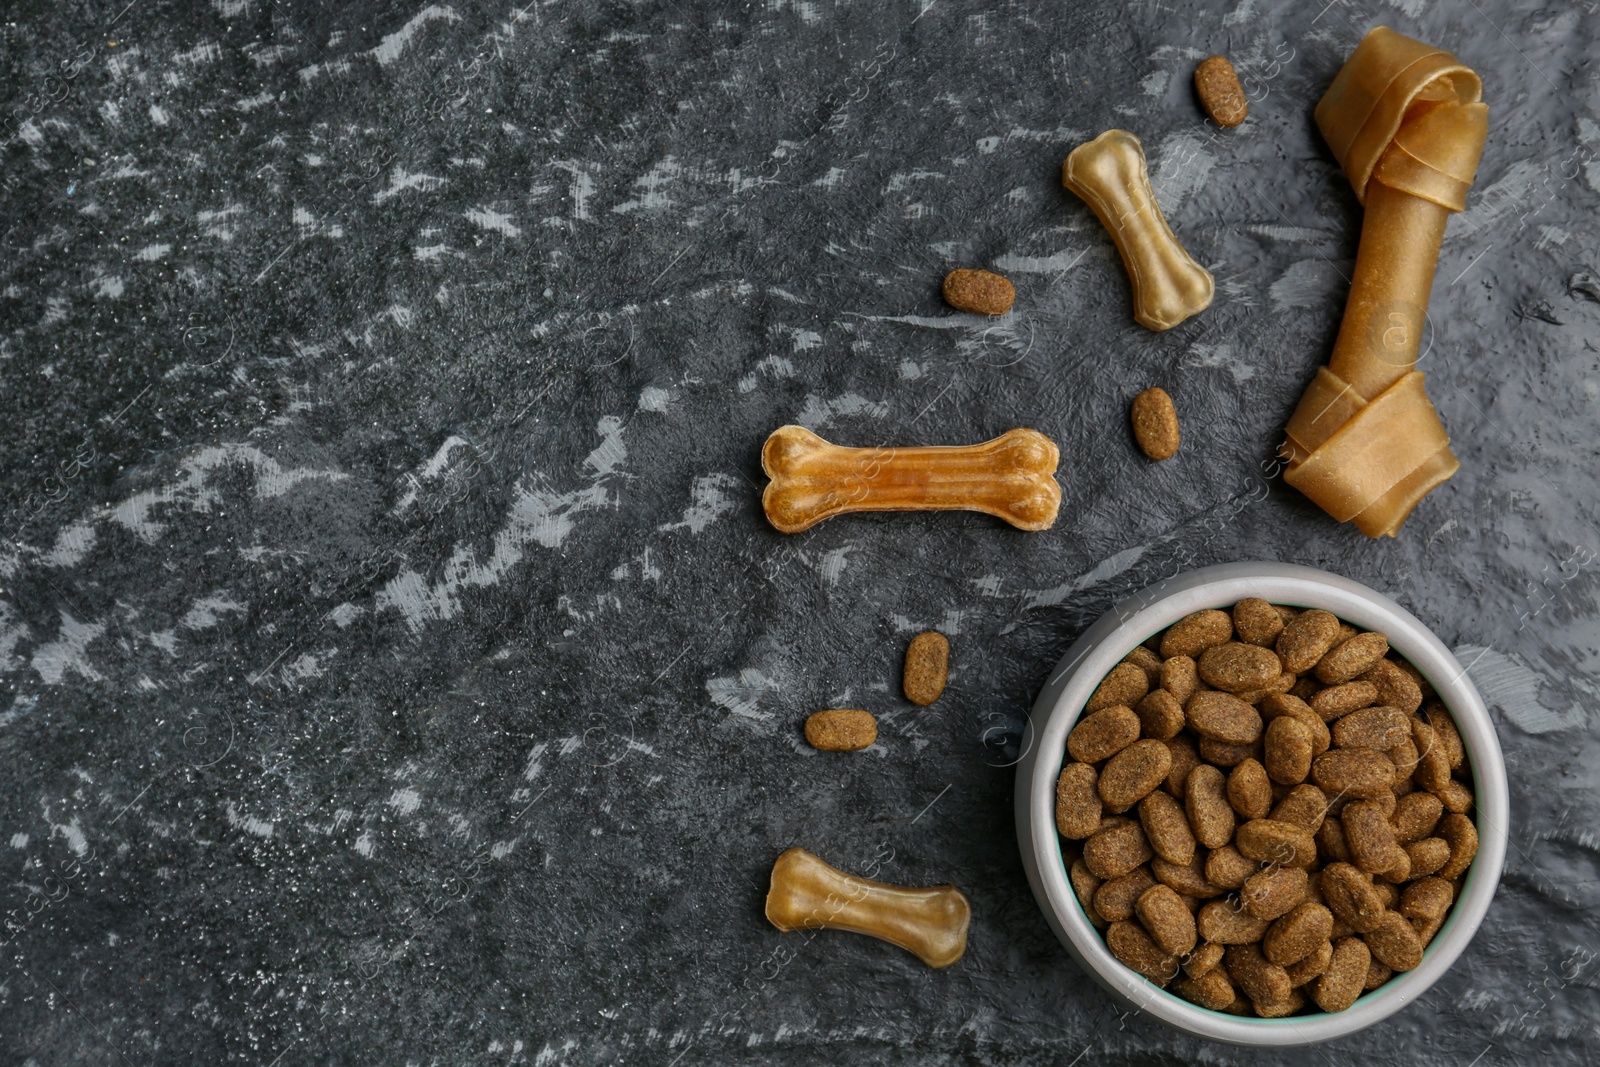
(1129, 624)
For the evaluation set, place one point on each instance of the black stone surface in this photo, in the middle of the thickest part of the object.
(398, 666)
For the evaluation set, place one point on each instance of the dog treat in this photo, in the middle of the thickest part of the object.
(1010, 477)
(1237, 667)
(1206, 802)
(1355, 772)
(1130, 943)
(1103, 734)
(981, 292)
(1337, 700)
(841, 730)
(1146, 660)
(1273, 892)
(1305, 806)
(1187, 879)
(1166, 827)
(1306, 639)
(1116, 848)
(1169, 923)
(927, 667)
(1160, 715)
(1351, 657)
(1114, 900)
(1203, 960)
(1132, 774)
(1155, 423)
(1211, 990)
(1405, 121)
(808, 894)
(1078, 808)
(1345, 977)
(1312, 965)
(1263, 982)
(1109, 174)
(1305, 832)
(1289, 747)
(1224, 922)
(1250, 790)
(1126, 684)
(1222, 717)
(1217, 84)
(1085, 885)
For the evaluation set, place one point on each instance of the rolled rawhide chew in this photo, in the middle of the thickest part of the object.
(1405, 121)
(1010, 477)
(808, 894)
(1109, 174)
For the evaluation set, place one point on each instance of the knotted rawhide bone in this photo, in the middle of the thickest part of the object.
(808, 894)
(1109, 174)
(1009, 478)
(1405, 121)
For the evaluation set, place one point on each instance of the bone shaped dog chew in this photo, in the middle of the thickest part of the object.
(1406, 121)
(1009, 477)
(808, 894)
(1109, 174)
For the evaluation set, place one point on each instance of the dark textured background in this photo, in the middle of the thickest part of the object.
(398, 666)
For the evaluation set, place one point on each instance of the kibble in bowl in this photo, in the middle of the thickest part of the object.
(1313, 847)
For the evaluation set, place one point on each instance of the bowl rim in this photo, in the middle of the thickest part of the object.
(1131, 622)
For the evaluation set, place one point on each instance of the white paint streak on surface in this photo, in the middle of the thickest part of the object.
(1510, 684)
(819, 412)
(610, 453)
(73, 833)
(208, 611)
(1223, 355)
(75, 541)
(405, 801)
(537, 516)
(652, 398)
(1054, 264)
(833, 564)
(248, 823)
(775, 367)
(402, 180)
(1103, 571)
(709, 500)
(192, 490)
(68, 652)
(1309, 281)
(1181, 171)
(391, 46)
(742, 695)
(489, 219)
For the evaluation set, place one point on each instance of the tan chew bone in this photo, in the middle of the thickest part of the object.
(1109, 174)
(808, 894)
(1405, 121)
(1009, 477)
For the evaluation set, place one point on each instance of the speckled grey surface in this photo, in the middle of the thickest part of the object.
(398, 667)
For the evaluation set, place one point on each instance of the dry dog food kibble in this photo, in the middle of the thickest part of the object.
(841, 730)
(927, 667)
(1274, 818)
(1217, 85)
(1155, 423)
(981, 292)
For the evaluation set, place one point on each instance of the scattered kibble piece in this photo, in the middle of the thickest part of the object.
(841, 730)
(1217, 84)
(1155, 423)
(981, 292)
(927, 667)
